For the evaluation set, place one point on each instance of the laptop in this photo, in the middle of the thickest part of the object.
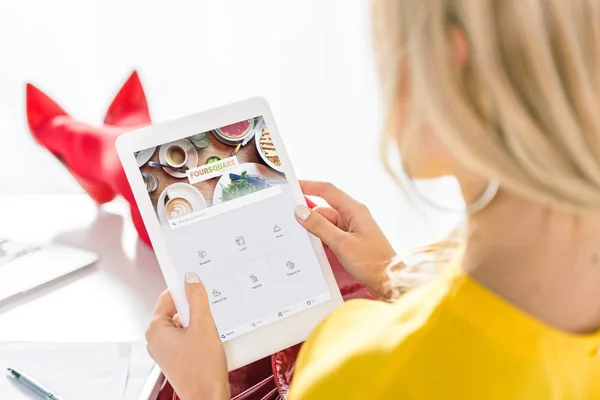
(25, 266)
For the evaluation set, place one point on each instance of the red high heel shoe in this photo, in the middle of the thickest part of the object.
(87, 151)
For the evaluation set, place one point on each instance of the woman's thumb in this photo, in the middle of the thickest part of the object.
(197, 298)
(319, 226)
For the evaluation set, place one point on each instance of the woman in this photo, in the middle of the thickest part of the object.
(499, 93)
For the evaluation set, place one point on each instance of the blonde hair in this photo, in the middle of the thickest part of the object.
(524, 110)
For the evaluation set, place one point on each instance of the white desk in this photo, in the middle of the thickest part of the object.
(111, 301)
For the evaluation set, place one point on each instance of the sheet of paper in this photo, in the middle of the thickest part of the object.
(91, 371)
(140, 367)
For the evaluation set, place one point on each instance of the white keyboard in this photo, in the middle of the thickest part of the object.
(24, 266)
(11, 250)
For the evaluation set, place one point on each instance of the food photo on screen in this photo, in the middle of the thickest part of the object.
(207, 173)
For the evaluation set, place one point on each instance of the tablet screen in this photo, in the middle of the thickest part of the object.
(226, 211)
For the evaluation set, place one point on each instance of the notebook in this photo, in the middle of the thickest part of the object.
(91, 371)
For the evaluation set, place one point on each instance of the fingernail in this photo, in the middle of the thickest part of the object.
(302, 212)
(192, 277)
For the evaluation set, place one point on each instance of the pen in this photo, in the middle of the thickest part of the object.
(32, 385)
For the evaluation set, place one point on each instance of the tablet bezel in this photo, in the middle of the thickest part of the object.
(264, 341)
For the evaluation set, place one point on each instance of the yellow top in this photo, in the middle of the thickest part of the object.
(450, 339)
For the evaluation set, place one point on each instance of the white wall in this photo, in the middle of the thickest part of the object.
(311, 59)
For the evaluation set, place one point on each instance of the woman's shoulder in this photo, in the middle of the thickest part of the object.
(361, 339)
(450, 335)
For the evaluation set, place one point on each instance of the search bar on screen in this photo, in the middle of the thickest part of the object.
(222, 208)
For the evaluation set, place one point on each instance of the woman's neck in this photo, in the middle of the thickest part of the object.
(544, 261)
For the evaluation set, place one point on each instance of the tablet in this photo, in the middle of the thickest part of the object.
(217, 193)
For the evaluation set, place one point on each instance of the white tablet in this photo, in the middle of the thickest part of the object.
(217, 193)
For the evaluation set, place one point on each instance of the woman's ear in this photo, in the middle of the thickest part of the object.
(460, 46)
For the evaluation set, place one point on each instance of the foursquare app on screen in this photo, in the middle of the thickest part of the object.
(262, 267)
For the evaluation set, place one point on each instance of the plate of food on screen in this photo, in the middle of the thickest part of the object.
(266, 149)
(245, 179)
(177, 200)
(235, 133)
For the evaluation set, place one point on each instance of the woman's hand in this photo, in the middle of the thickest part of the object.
(350, 231)
(192, 358)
